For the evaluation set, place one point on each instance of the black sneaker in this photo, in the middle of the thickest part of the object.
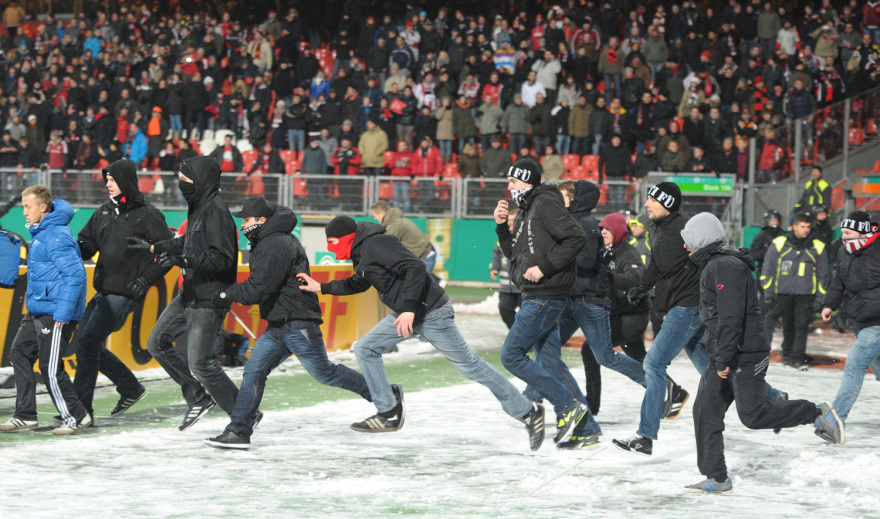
(196, 411)
(379, 424)
(800, 365)
(229, 440)
(782, 396)
(679, 397)
(667, 402)
(125, 403)
(638, 444)
(579, 442)
(829, 427)
(398, 393)
(565, 423)
(534, 421)
(257, 420)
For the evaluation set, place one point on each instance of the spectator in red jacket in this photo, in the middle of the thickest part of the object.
(427, 162)
(347, 161)
(401, 166)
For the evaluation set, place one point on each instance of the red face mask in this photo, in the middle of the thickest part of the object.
(342, 249)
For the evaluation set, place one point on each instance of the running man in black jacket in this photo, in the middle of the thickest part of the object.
(542, 248)
(294, 317)
(122, 278)
(207, 255)
(420, 306)
(738, 355)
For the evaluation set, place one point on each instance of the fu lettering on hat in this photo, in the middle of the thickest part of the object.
(665, 199)
(519, 173)
(863, 227)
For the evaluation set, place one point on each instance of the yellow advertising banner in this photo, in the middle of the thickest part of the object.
(345, 318)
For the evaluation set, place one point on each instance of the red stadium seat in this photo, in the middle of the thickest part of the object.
(248, 158)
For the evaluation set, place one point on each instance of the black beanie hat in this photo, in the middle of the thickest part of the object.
(858, 221)
(340, 226)
(526, 170)
(668, 194)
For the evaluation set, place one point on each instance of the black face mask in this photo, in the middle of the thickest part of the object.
(251, 232)
(189, 191)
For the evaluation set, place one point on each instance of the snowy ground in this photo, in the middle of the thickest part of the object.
(458, 455)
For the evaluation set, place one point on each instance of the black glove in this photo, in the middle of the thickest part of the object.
(220, 300)
(635, 295)
(136, 243)
(166, 261)
(817, 305)
(139, 286)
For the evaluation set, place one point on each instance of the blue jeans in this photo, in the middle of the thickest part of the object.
(300, 338)
(862, 354)
(537, 327)
(580, 146)
(611, 80)
(439, 329)
(401, 195)
(563, 143)
(104, 314)
(445, 150)
(516, 141)
(296, 139)
(462, 141)
(875, 35)
(176, 121)
(681, 329)
(541, 142)
(747, 50)
(617, 196)
(203, 327)
(595, 322)
(597, 143)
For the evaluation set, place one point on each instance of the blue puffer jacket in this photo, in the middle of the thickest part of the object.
(56, 278)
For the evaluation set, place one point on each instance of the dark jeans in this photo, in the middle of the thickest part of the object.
(300, 338)
(104, 314)
(202, 327)
(508, 302)
(38, 338)
(796, 313)
(537, 327)
(746, 386)
(515, 142)
(628, 332)
(580, 146)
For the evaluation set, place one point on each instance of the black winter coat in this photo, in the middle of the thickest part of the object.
(401, 279)
(544, 235)
(210, 244)
(762, 242)
(729, 307)
(857, 283)
(592, 281)
(626, 271)
(110, 225)
(276, 258)
(676, 281)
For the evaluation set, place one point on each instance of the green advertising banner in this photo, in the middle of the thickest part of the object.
(702, 185)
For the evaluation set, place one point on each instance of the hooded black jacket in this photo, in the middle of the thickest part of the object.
(401, 279)
(626, 271)
(544, 235)
(729, 307)
(592, 282)
(857, 282)
(276, 258)
(110, 225)
(676, 282)
(210, 244)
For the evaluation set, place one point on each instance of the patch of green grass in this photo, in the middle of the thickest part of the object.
(468, 294)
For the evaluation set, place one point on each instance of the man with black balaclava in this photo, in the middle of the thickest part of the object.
(294, 317)
(207, 256)
(122, 278)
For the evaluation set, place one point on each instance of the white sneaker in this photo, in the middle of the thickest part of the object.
(17, 424)
(66, 430)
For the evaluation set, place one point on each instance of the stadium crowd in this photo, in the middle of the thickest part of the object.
(636, 87)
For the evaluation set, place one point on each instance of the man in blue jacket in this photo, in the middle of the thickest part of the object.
(56, 300)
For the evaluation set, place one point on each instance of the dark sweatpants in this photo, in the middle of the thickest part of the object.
(796, 313)
(37, 337)
(508, 302)
(745, 384)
